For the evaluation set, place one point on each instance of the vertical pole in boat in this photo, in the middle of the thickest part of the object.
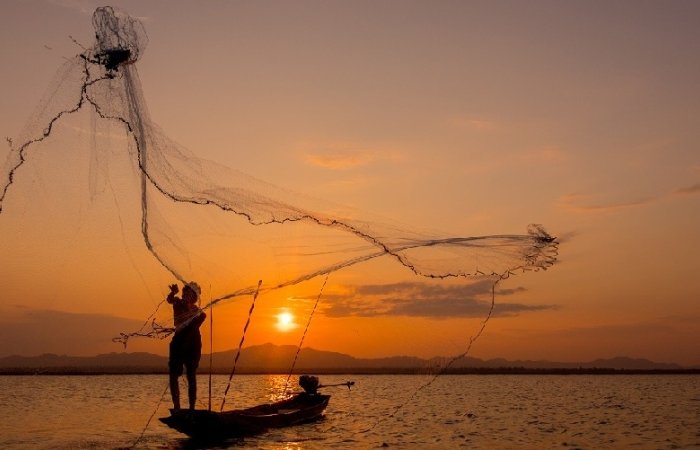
(240, 345)
(211, 347)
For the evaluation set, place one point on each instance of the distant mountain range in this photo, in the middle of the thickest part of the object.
(269, 358)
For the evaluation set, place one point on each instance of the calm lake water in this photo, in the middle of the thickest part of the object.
(469, 411)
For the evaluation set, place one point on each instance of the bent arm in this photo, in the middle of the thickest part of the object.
(198, 319)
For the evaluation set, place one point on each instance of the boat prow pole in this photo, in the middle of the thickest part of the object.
(211, 346)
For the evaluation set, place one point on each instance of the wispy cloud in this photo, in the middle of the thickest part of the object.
(473, 123)
(339, 161)
(688, 190)
(581, 203)
(424, 300)
(344, 155)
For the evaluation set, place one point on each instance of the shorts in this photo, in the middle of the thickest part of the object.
(185, 350)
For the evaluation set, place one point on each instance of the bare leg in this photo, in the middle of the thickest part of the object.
(175, 391)
(192, 386)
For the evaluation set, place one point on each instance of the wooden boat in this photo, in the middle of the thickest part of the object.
(210, 425)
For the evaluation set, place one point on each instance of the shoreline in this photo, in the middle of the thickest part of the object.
(373, 371)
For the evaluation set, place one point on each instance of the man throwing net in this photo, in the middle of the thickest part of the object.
(186, 345)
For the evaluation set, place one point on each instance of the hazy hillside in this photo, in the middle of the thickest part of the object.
(271, 358)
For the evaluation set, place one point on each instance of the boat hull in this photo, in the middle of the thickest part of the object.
(204, 424)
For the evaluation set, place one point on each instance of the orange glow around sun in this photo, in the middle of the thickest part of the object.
(285, 321)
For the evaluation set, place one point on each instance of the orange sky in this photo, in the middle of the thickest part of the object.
(467, 117)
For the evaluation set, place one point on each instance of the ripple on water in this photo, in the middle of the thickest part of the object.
(456, 411)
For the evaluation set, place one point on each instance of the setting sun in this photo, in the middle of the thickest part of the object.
(285, 321)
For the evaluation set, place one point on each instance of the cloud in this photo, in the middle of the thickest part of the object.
(688, 190)
(581, 203)
(472, 123)
(339, 161)
(576, 203)
(424, 300)
(342, 155)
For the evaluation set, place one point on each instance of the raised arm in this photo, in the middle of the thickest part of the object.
(171, 296)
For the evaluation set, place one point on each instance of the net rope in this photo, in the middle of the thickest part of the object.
(443, 370)
(303, 335)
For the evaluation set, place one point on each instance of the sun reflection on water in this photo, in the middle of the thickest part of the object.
(276, 386)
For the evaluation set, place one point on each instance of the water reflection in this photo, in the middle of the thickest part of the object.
(277, 388)
(475, 411)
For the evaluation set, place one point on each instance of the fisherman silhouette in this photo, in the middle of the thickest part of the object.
(186, 345)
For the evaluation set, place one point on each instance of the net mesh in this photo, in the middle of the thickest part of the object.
(203, 221)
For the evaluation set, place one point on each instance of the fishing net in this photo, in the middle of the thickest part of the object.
(202, 221)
